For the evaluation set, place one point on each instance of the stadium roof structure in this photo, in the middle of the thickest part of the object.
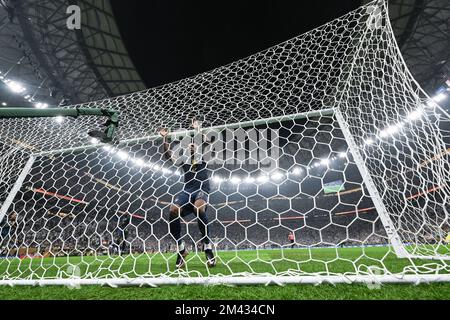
(46, 62)
(422, 30)
(60, 66)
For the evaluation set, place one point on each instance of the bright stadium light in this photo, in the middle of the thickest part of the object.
(217, 179)
(415, 115)
(40, 105)
(277, 176)
(440, 97)
(15, 87)
(139, 162)
(4, 104)
(59, 119)
(249, 180)
(95, 141)
(262, 178)
(389, 131)
(431, 104)
(236, 180)
(122, 155)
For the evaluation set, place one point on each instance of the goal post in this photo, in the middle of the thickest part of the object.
(325, 163)
(16, 188)
(391, 231)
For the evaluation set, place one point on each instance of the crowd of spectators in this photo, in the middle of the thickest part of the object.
(70, 236)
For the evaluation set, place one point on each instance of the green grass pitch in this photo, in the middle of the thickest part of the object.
(331, 260)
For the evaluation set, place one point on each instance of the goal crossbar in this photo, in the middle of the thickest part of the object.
(183, 133)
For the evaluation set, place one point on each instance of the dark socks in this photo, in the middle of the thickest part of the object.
(202, 226)
(175, 228)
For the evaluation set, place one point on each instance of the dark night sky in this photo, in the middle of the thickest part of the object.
(171, 40)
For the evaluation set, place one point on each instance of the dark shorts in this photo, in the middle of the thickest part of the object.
(185, 200)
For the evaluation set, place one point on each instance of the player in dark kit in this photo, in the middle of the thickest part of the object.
(121, 233)
(192, 199)
(7, 228)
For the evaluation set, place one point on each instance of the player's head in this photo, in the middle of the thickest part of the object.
(192, 147)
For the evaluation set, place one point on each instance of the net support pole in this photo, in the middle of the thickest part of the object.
(391, 231)
(107, 135)
(17, 185)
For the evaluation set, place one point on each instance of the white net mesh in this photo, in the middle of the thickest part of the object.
(318, 157)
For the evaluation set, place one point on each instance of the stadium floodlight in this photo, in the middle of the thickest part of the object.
(430, 104)
(317, 164)
(41, 105)
(139, 162)
(122, 155)
(262, 178)
(4, 104)
(236, 180)
(389, 131)
(440, 97)
(371, 202)
(250, 180)
(217, 179)
(107, 148)
(415, 115)
(277, 176)
(166, 171)
(15, 87)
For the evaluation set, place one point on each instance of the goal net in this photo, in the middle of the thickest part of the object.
(325, 161)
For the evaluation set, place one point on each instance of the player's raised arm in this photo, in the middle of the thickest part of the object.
(164, 132)
(197, 126)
